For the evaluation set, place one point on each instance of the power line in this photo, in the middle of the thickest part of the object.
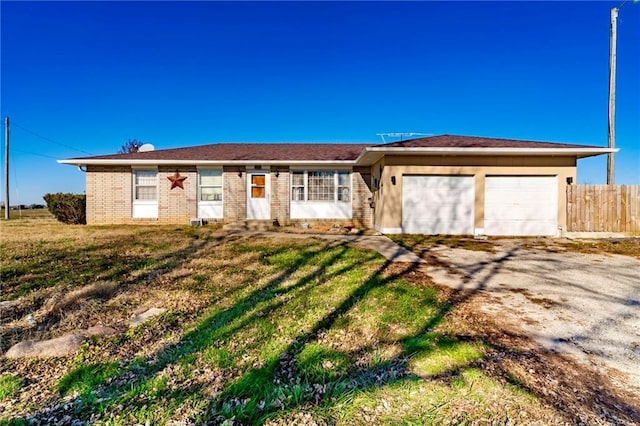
(49, 139)
(33, 153)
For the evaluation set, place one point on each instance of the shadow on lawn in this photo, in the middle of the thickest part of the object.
(61, 269)
(282, 381)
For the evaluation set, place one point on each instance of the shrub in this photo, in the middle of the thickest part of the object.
(67, 208)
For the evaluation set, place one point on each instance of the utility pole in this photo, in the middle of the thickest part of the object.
(6, 168)
(611, 172)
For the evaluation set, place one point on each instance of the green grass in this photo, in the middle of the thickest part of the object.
(257, 330)
(9, 385)
(86, 378)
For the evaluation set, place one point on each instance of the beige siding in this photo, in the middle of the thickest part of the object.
(388, 214)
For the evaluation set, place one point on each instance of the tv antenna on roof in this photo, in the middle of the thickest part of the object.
(401, 135)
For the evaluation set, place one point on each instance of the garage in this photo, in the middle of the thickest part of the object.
(521, 205)
(438, 204)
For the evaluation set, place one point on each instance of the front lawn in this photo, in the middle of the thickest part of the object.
(256, 330)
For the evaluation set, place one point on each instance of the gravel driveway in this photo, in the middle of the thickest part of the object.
(587, 305)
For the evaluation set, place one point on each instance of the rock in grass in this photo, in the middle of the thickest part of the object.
(100, 330)
(60, 346)
(139, 319)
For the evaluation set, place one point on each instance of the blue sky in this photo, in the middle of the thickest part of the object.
(87, 76)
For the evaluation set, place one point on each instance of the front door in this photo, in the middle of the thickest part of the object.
(258, 195)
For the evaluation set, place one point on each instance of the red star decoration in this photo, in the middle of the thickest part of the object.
(177, 181)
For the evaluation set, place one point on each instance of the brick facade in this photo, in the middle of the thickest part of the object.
(234, 196)
(110, 195)
(280, 199)
(362, 185)
(177, 205)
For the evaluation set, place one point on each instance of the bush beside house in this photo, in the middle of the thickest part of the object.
(68, 208)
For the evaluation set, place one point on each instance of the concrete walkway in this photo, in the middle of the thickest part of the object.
(383, 245)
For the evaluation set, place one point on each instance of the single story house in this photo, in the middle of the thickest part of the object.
(431, 185)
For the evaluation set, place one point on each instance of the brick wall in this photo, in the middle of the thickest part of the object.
(280, 199)
(177, 205)
(235, 193)
(362, 211)
(108, 194)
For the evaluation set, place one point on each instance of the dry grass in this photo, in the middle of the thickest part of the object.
(59, 303)
(424, 243)
(260, 330)
(629, 246)
(27, 214)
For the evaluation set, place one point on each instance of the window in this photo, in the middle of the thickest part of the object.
(145, 185)
(317, 185)
(344, 193)
(258, 186)
(321, 186)
(210, 183)
(297, 186)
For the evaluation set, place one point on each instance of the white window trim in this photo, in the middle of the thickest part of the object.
(335, 172)
(148, 205)
(199, 194)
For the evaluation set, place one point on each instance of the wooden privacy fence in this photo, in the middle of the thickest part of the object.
(603, 208)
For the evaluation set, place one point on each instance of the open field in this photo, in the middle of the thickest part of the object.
(27, 214)
(265, 330)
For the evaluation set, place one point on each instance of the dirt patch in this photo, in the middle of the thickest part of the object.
(542, 301)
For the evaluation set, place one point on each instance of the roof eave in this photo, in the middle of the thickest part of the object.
(372, 154)
(368, 156)
(130, 162)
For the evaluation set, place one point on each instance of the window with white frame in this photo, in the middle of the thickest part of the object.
(145, 185)
(321, 185)
(210, 185)
(297, 186)
(344, 186)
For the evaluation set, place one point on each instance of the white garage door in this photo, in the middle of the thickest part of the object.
(438, 204)
(521, 205)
